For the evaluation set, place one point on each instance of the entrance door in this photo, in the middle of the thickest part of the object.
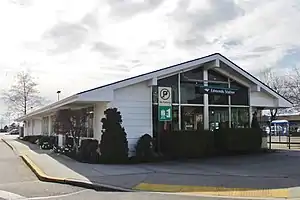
(192, 118)
(218, 117)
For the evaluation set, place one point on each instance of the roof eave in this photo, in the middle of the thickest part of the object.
(49, 107)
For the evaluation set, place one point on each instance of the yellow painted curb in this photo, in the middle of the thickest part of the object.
(38, 172)
(214, 191)
(8, 144)
(44, 177)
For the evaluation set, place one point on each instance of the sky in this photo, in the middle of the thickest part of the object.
(73, 45)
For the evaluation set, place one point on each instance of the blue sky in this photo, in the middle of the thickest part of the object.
(73, 45)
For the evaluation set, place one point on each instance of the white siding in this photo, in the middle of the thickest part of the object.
(134, 103)
(26, 128)
(262, 99)
(37, 126)
(33, 127)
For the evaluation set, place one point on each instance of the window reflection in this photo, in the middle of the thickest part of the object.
(220, 82)
(241, 95)
(218, 118)
(215, 76)
(192, 118)
(190, 93)
(189, 86)
(239, 117)
(88, 128)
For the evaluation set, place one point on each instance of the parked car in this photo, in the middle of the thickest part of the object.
(14, 132)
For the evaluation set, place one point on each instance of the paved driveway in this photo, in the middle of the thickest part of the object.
(279, 171)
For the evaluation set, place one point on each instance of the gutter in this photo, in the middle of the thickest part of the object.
(54, 105)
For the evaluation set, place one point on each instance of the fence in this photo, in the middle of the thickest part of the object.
(290, 141)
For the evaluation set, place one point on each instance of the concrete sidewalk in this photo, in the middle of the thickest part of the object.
(264, 175)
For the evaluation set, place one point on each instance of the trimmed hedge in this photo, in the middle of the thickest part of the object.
(195, 144)
(187, 144)
(239, 140)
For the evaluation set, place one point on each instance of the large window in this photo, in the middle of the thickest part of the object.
(88, 129)
(225, 96)
(241, 94)
(190, 93)
(192, 118)
(240, 117)
(45, 126)
(217, 80)
(190, 82)
(218, 117)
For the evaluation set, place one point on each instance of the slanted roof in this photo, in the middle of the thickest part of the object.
(152, 74)
(159, 73)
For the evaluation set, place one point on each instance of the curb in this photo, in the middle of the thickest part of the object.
(43, 177)
(215, 191)
(9, 145)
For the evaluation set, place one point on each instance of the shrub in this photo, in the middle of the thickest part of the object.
(143, 149)
(44, 142)
(187, 144)
(25, 138)
(114, 144)
(34, 139)
(47, 142)
(69, 142)
(88, 151)
(239, 140)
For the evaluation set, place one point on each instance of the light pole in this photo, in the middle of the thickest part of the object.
(58, 92)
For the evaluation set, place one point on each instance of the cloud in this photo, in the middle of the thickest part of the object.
(126, 9)
(66, 37)
(194, 22)
(290, 58)
(94, 42)
(106, 49)
(91, 19)
(22, 3)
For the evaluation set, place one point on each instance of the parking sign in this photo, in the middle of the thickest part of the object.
(165, 103)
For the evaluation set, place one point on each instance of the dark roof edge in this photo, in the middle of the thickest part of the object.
(130, 78)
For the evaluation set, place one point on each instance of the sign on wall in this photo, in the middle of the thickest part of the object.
(215, 90)
(165, 103)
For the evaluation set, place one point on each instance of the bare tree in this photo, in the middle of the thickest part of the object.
(276, 83)
(72, 123)
(23, 94)
(8, 116)
(286, 84)
(292, 84)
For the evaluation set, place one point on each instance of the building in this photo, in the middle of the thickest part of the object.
(204, 93)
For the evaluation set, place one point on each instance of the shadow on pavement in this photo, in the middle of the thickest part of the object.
(244, 172)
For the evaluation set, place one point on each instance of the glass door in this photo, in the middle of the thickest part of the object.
(192, 118)
(218, 117)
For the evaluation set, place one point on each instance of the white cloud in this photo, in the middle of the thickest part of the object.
(72, 45)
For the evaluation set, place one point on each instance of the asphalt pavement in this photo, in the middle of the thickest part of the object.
(18, 182)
